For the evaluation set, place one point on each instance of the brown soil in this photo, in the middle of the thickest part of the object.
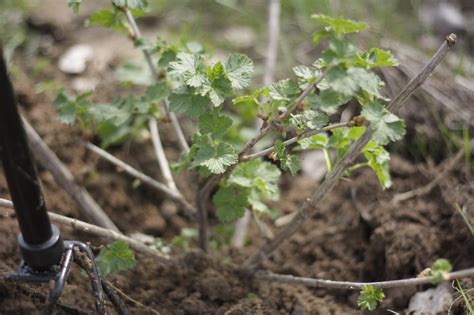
(359, 234)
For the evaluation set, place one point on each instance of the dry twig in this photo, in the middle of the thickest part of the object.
(95, 230)
(48, 160)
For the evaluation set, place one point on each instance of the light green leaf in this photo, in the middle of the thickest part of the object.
(131, 4)
(116, 116)
(115, 257)
(284, 90)
(230, 202)
(439, 268)
(319, 141)
(262, 177)
(306, 75)
(376, 57)
(136, 72)
(308, 119)
(378, 159)
(190, 68)
(339, 26)
(386, 126)
(184, 100)
(218, 86)
(369, 298)
(239, 69)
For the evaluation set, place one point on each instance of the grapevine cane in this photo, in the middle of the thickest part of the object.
(46, 257)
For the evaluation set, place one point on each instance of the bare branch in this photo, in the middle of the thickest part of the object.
(95, 230)
(173, 195)
(311, 204)
(48, 160)
(272, 47)
(431, 185)
(174, 121)
(346, 285)
(160, 154)
(304, 135)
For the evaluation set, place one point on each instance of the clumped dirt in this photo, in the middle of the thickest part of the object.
(358, 234)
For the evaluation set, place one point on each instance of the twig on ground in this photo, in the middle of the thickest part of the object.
(63, 177)
(174, 121)
(189, 210)
(272, 45)
(130, 299)
(431, 185)
(81, 226)
(311, 204)
(346, 285)
(160, 155)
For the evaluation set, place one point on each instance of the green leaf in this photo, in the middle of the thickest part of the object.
(378, 159)
(339, 52)
(230, 202)
(308, 119)
(386, 126)
(376, 57)
(72, 108)
(131, 4)
(216, 157)
(288, 162)
(369, 297)
(184, 100)
(75, 5)
(318, 141)
(115, 257)
(306, 75)
(156, 92)
(328, 101)
(218, 86)
(135, 72)
(214, 124)
(348, 81)
(284, 90)
(239, 69)
(339, 26)
(262, 177)
(439, 268)
(113, 19)
(190, 68)
(115, 115)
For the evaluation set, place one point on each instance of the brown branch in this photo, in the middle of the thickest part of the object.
(95, 230)
(63, 177)
(311, 204)
(176, 196)
(347, 285)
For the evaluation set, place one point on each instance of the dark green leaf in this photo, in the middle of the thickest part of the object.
(230, 202)
(184, 100)
(328, 101)
(216, 157)
(75, 5)
(214, 124)
(288, 162)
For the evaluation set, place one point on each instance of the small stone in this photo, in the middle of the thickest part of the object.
(75, 59)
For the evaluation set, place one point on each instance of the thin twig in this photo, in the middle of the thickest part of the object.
(63, 177)
(81, 226)
(431, 185)
(313, 203)
(130, 299)
(346, 285)
(176, 196)
(160, 155)
(272, 47)
(174, 121)
(304, 135)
